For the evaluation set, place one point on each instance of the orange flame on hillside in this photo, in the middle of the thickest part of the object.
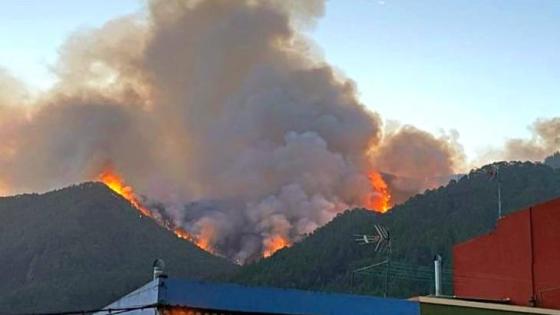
(274, 244)
(203, 240)
(181, 233)
(117, 184)
(200, 241)
(381, 200)
(378, 201)
(114, 181)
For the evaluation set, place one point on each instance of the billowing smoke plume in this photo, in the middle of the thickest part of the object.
(545, 141)
(418, 159)
(220, 105)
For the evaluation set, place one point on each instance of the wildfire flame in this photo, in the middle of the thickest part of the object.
(114, 181)
(200, 241)
(380, 201)
(117, 184)
(274, 244)
(181, 233)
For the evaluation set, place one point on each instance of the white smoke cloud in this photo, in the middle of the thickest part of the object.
(543, 142)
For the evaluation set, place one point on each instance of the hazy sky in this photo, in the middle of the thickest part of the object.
(487, 68)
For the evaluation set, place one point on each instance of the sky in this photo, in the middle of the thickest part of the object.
(485, 68)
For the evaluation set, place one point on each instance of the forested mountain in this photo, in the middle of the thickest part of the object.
(427, 224)
(82, 247)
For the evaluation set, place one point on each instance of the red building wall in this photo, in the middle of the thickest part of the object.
(519, 260)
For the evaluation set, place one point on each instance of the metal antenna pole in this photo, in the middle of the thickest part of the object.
(499, 199)
(388, 270)
(382, 241)
(495, 175)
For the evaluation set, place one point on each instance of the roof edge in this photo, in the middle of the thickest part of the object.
(484, 305)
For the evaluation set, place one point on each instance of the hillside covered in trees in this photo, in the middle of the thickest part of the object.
(82, 247)
(425, 225)
(553, 160)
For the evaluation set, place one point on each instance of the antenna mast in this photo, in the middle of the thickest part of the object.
(382, 241)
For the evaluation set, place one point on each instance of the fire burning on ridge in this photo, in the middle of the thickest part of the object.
(110, 178)
(274, 244)
(381, 201)
(247, 139)
(116, 183)
(200, 241)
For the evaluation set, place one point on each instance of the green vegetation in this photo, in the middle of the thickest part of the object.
(553, 160)
(427, 224)
(82, 247)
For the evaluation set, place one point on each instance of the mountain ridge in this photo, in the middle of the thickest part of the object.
(427, 224)
(83, 246)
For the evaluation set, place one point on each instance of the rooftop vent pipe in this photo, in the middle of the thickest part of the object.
(159, 267)
(437, 274)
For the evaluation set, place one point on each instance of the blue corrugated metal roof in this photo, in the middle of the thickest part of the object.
(232, 297)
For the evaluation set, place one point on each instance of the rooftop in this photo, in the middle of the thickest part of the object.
(237, 298)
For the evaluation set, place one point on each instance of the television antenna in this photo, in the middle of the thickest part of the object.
(382, 242)
(494, 174)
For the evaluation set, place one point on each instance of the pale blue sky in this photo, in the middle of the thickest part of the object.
(487, 68)
(31, 31)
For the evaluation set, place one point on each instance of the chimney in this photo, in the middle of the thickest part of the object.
(159, 267)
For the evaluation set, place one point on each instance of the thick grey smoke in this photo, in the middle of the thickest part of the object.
(418, 159)
(220, 104)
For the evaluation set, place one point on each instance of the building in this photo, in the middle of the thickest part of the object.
(430, 305)
(519, 262)
(514, 270)
(180, 297)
